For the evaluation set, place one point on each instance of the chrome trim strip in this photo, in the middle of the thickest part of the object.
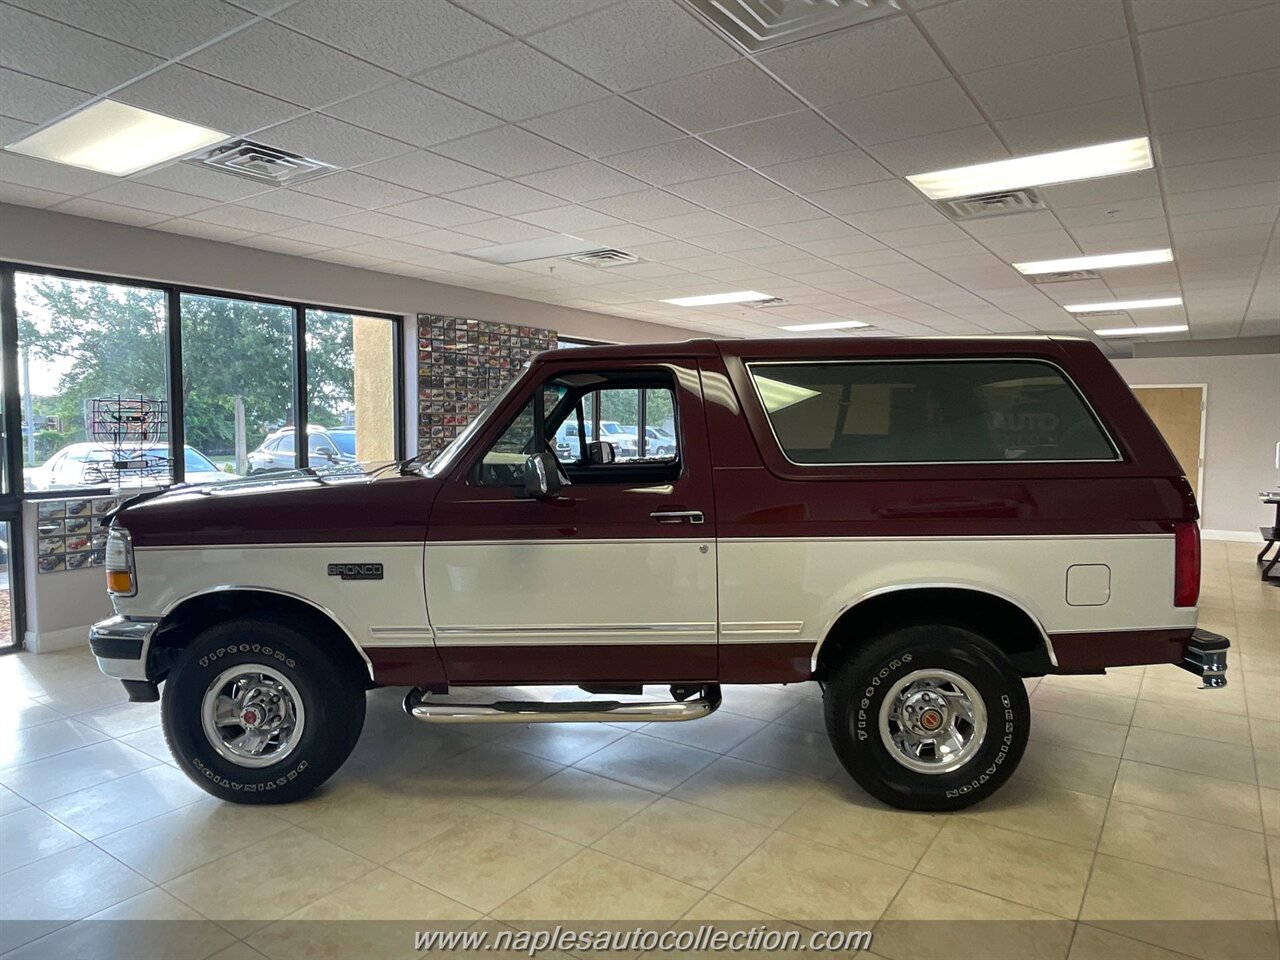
(1106, 434)
(301, 545)
(575, 634)
(747, 628)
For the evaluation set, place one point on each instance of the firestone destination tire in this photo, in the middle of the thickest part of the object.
(255, 712)
(929, 717)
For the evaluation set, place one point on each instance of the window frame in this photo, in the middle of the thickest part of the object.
(752, 365)
(173, 292)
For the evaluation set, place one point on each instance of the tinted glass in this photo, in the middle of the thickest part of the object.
(928, 412)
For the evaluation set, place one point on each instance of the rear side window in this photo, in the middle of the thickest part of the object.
(927, 411)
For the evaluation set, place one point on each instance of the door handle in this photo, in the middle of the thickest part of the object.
(678, 516)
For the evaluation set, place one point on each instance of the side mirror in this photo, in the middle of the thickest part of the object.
(541, 476)
(600, 452)
(328, 453)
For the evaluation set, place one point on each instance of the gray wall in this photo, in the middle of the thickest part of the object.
(1242, 428)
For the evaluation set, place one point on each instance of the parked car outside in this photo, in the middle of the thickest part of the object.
(325, 448)
(568, 447)
(89, 464)
(657, 442)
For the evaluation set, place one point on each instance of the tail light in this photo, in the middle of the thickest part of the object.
(119, 565)
(1186, 563)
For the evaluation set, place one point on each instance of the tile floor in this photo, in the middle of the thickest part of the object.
(1141, 801)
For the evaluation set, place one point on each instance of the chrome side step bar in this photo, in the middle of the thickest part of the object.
(419, 706)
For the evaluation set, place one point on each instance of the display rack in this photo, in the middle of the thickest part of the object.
(127, 427)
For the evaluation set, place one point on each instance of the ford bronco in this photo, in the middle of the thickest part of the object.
(915, 525)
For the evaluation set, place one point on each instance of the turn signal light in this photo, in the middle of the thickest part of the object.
(119, 581)
(1186, 563)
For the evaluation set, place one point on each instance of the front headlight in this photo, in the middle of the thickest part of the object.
(122, 580)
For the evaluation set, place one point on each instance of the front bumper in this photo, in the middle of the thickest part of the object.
(121, 645)
(1206, 657)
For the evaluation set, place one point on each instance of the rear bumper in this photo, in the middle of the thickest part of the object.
(1206, 657)
(1198, 651)
(121, 645)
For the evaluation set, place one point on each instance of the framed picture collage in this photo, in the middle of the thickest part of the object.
(70, 533)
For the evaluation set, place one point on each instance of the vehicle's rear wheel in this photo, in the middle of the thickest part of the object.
(928, 717)
(256, 712)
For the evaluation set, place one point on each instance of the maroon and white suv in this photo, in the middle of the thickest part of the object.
(916, 525)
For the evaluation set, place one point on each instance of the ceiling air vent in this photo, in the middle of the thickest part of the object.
(763, 24)
(1064, 276)
(604, 258)
(257, 161)
(991, 204)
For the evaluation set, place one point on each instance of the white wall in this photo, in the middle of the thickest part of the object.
(60, 606)
(1242, 428)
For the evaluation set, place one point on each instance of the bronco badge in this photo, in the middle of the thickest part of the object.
(356, 571)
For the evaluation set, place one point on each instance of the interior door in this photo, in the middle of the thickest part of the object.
(613, 579)
(1177, 412)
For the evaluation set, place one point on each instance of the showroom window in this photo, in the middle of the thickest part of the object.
(351, 374)
(983, 411)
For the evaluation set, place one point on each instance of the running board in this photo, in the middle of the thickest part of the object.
(586, 711)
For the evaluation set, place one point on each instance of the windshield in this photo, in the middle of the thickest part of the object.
(345, 441)
(608, 427)
(446, 456)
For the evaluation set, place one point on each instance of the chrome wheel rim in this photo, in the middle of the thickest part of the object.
(933, 721)
(252, 715)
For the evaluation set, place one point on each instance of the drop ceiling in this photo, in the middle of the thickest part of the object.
(632, 124)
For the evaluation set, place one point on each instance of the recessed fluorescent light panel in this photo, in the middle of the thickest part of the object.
(1119, 305)
(1062, 166)
(739, 296)
(1103, 261)
(1141, 331)
(834, 325)
(115, 138)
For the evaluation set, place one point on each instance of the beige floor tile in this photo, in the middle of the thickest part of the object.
(151, 742)
(1273, 861)
(121, 803)
(45, 740)
(647, 762)
(683, 841)
(800, 880)
(595, 887)
(560, 742)
(18, 713)
(1067, 816)
(296, 867)
(1058, 766)
(758, 702)
(1118, 683)
(978, 925)
(72, 698)
(149, 926)
(1079, 733)
(51, 892)
(576, 805)
(1209, 798)
(488, 774)
(122, 719)
(1191, 722)
(1187, 693)
(808, 714)
(1081, 703)
(1093, 943)
(1264, 706)
(1143, 902)
(791, 748)
(187, 838)
(238, 951)
(1271, 810)
(1228, 761)
(484, 859)
(841, 815)
(718, 733)
(74, 770)
(10, 802)
(1226, 855)
(30, 834)
(753, 792)
(1038, 873)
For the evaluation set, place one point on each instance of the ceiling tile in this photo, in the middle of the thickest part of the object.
(604, 127)
(635, 45)
(503, 230)
(444, 241)
(505, 198)
(333, 141)
(512, 82)
(246, 218)
(1158, 14)
(179, 91)
(412, 113)
(140, 196)
(794, 136)
(1214, 102)
(1108, 120)
(529, 16)
(926, 108)
(206, 231)
(1222, 173)
(569, 219)
(35, 100)
(1090, 215)
(436, 212)
(357, 190)
(1130, 186)
(508, 152)
(293, 248)
(1241, 139)
(376, 224)
(643, 206)
(879, 195)
(29, 196)
(1225, 198)
(940, 151)
(284, 64)
(401, 35)
(1210, 49)
(732, 241)
(139, 24)
(97, 210)
(427, 172)
(728, 188)
(676, 162)
(840, 169)
(857, 61)
(323, 235)
(976, 34)
(820, 228)
(44, 175)
(724, 96)
(65, 55)
(583, 181)
(896, 218)
(304, 206)
(1102, 72)
(764, 213)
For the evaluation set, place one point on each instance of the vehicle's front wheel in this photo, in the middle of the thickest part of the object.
(256, 712)
(928, 717)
